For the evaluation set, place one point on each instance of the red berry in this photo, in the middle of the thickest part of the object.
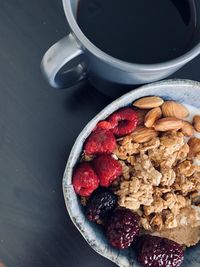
(104, 125)
(107, 169)
(123, 121)
(85, 180)
(159, 252)
(100, 141)
(122, 228)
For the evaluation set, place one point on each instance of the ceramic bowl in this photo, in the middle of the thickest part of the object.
(183, 91)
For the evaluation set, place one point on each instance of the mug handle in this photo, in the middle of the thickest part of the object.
(63, 64)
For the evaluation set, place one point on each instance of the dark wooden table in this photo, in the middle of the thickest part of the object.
(38, 126)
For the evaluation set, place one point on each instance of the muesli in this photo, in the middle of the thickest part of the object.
(139, 176)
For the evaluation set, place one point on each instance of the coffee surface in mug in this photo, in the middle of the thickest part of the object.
(139, 31)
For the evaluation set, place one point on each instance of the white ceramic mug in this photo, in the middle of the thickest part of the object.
(74, 58)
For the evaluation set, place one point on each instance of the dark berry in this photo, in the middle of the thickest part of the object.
(101, 203)
(85, 180)
(159, 252)
(122, 228)
(107, 169)
(100, 141)
(123, 121)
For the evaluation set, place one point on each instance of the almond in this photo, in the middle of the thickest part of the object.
(194, 144)
(141, 113)
(148, 102)
(196, 123)
(152, 116)
(187, 129)
(142, 135)
(174, 109)
(168, 124)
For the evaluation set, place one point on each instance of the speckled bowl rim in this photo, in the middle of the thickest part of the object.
(68, 191)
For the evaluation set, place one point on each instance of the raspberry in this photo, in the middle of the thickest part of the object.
(122, 228)
(104, 125)
(85, 180)
(159, 252)
(101, 203)
(100, 141)
(123, 121)
(107, 169)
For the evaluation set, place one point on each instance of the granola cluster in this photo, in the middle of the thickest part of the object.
(160, 181)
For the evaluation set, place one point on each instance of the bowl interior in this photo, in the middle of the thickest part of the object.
(183, 91)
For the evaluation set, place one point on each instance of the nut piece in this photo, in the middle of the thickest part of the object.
(194, 144)
(174, 109)
(187, 129)
(148, 102)
(152, 116)
(141, 113)
(196, 122)
(143, 135)
(168, 124)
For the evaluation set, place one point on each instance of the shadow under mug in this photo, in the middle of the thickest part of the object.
(74, 58)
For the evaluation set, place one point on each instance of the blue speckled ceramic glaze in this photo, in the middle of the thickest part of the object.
(183, 91)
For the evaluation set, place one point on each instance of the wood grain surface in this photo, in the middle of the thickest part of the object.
(38, 126)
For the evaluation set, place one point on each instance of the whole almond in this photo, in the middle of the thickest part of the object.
(174, 109)
(152, 116)
(142, 135)
(168, 124)
(187, 129)
(148, 102)
(194, 144)
(196, 123)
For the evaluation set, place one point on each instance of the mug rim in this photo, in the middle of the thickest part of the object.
(120, 64)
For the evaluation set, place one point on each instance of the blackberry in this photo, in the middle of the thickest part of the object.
(100, 204)
(159, 252)
(122, 228)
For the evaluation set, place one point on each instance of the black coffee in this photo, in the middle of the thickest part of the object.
(140, 31)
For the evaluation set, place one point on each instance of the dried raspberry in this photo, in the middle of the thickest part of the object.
(104, 125)
(123, 121)
(122, 228)
(85, 180)
(107, 169)
(100, 141)
(101, 203)
(159, 252)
